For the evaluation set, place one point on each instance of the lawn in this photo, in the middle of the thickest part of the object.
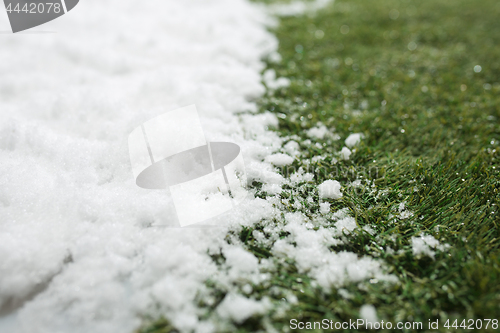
(421, 81)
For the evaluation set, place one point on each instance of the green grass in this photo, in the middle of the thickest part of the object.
(402, 73)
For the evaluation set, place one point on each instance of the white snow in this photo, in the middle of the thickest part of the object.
(312, 254)
(346, 224)
(271, 188)
(274, 83)
(318, 132)
(403, 212)
(292, 148)
(82, 248)
(324, 207)
(280, 159)
(239, 308)
(368, 313)
(298, 7)
(330, 189)
(345, 153)
(353, 139)
(423, 245)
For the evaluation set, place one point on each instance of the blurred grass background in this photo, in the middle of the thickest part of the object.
(421, 81)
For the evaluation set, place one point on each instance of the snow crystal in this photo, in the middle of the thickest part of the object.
(353, 139)
(345, 153)
(330, 189)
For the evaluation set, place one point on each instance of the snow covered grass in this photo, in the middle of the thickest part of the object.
(376, 196)
(422, 186)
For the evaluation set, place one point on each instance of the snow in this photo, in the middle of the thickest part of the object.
(82, 248)
(353, 139)
(295, 8)
(368, 313)
(324, 207)
(346, 224)
(239, 308)
(311, 251)
(292, 148)
(280, 159)
(271, 188)
(345, 153)
(330, 189)
(318, 132)
(273, 83)
(423, 245)
(403, 212)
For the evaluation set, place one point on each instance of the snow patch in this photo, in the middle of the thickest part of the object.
(280, 159)
(345, 153)
(318, 132)
(353, 139)
(368, 313)
(298, 7)
(423, 245)
(330, 189)
(240, 308)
